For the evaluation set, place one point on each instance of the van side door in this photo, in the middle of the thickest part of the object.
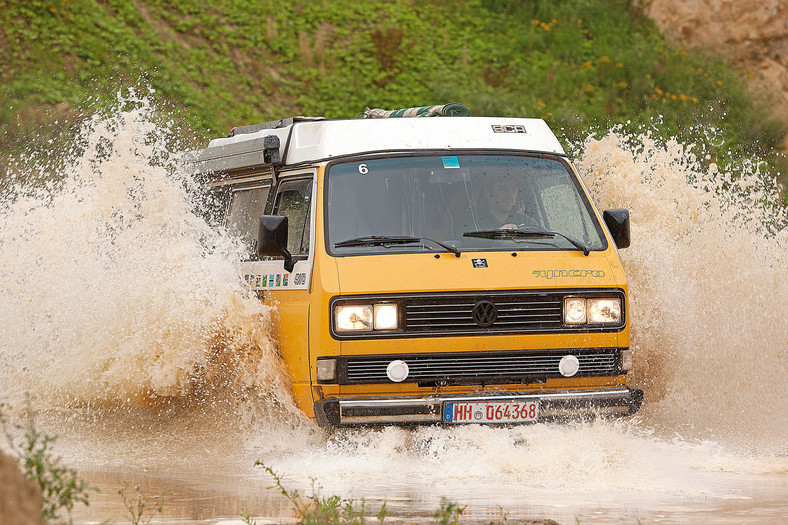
(289, 292)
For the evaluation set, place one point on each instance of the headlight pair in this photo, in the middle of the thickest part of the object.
(592, 310)
(366, 317)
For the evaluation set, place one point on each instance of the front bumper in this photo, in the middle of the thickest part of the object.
(334, 412)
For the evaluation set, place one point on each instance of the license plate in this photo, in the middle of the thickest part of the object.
(491, 412)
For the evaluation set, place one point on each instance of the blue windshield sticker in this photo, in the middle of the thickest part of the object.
(450, 162)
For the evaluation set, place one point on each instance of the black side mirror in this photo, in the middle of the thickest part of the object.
(272, 239)
(618, 223)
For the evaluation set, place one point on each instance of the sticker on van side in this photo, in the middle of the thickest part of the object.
(270, 275)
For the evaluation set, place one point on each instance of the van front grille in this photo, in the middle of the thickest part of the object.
(480, 313)
(519, 313)
(478, 367)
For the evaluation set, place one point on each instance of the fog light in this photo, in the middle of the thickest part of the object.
(568, 366)
(326, 369)
(397, 371)
(626, 360)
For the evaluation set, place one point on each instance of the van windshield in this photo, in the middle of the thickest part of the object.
(459, 201)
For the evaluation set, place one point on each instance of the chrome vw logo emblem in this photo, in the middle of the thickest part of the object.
(484, 313)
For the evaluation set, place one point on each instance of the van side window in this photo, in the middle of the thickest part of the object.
(213, 205)
(243, 216)
(293, 200)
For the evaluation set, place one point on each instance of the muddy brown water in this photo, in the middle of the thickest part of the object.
(203, 463)
(592, 472)
(123, 314)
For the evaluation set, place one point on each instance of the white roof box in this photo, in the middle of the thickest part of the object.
(305, 140)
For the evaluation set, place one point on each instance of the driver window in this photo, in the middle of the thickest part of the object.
(243, 216)
(293, 200)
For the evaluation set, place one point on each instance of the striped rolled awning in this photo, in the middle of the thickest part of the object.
(453, 109)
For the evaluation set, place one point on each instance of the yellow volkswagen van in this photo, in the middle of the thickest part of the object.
(446, 270)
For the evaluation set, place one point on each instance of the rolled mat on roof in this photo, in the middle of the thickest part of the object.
(453, 109)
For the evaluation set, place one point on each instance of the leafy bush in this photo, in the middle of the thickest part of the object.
(61, 486)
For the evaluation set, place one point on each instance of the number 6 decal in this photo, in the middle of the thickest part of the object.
(363, 169)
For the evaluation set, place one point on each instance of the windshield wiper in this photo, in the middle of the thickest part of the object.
(518, 233)
(381, 240)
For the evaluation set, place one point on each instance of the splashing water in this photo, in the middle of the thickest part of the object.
(113, 291)
(708, 288)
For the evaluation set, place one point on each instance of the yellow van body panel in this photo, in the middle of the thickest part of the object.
(290, 321)
(528, 270)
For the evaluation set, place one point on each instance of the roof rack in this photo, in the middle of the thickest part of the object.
(274, 124)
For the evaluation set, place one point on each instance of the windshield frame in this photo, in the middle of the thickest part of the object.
(425, 247)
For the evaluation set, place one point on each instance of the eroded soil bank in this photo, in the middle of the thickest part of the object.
(20, 499)
(752, 34)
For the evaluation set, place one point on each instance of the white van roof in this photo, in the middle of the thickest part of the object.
(305, 139)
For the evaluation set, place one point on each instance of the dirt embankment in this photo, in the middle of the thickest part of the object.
(752, 34)
(20, 499)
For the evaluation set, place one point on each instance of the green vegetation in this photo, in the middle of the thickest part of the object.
(578, 64)
(141, 509)
(449, 513)
(61, 486)
(319, 510)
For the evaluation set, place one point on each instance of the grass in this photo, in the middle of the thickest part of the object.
(578, 64)
(448, 513)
